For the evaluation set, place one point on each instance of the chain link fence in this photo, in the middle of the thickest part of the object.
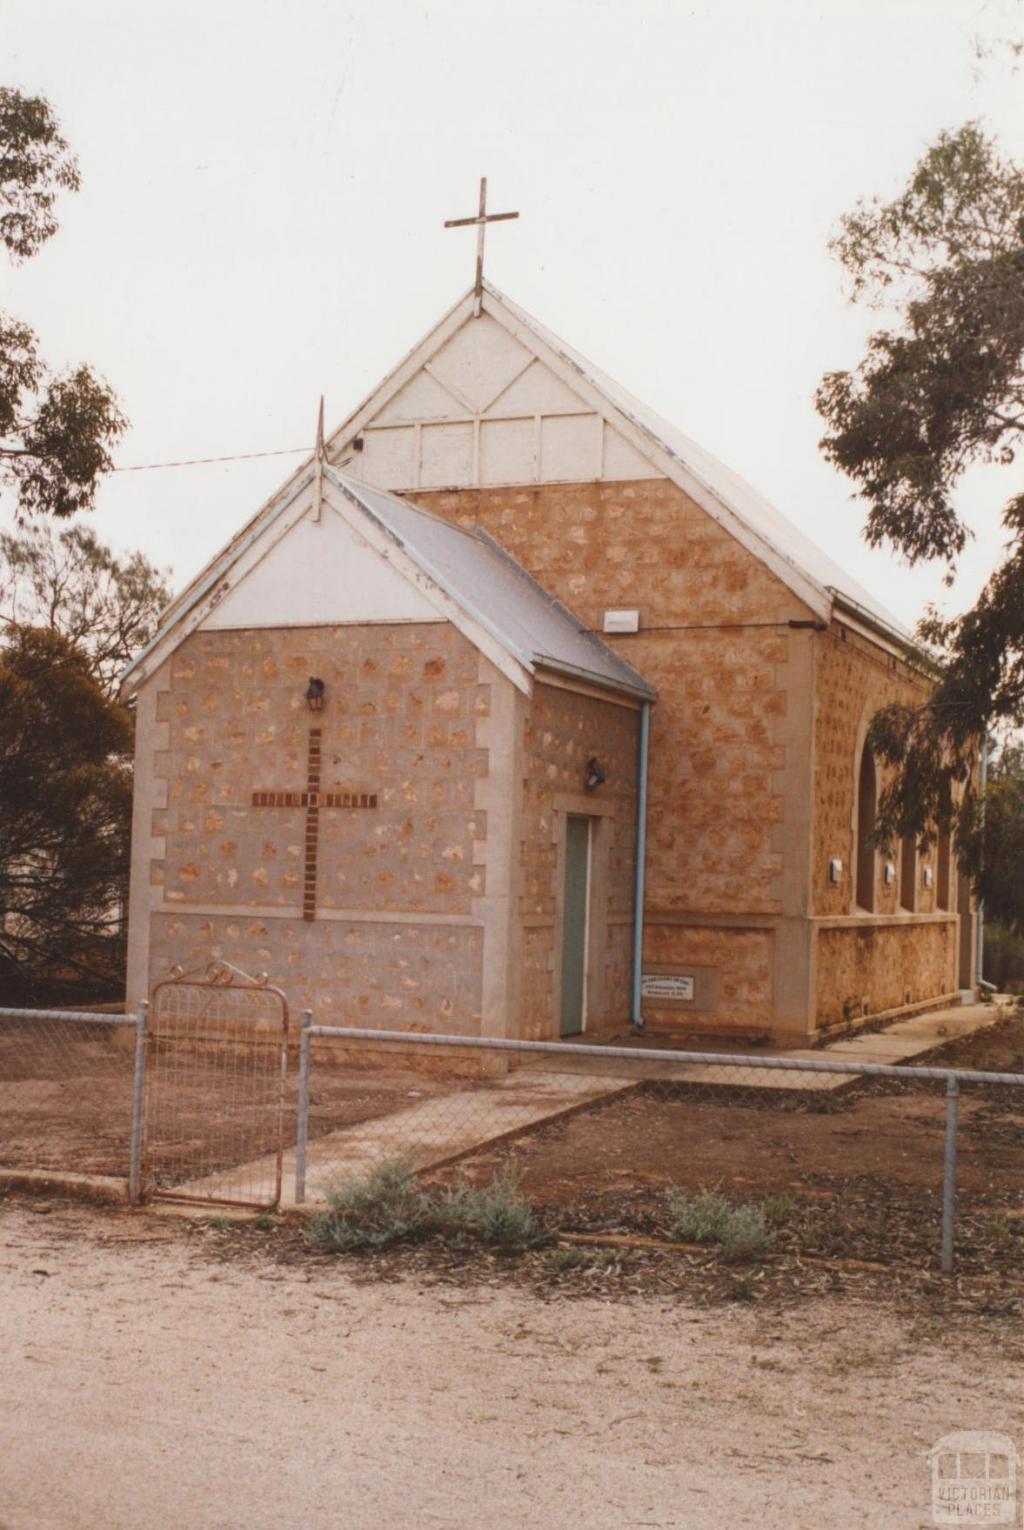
(833, 1159)
(70, 1100)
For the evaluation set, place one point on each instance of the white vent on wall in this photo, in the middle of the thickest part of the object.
(622, 621)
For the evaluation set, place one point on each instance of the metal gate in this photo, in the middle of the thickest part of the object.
(216, 1075)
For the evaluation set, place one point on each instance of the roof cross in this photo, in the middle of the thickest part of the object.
(481, 221)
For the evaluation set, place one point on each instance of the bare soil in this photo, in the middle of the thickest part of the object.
(862, 1167)
(66, 1090)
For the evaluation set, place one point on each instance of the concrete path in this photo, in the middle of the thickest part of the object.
(910, 1038)
(444, 1128)
(434, 1132)
(902, 1042)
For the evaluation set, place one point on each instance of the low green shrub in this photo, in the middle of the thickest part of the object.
(576, 1258)
(746, 1236)
(498, 1213)
(742, 1232)
(388, 1206)
(699, 1218)
(385, 1207)
(779, 1209)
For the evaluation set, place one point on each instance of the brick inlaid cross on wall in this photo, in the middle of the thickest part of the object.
(313, 799)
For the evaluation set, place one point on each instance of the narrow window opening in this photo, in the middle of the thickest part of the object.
(866, 806)
(908, 872)
(943, 877)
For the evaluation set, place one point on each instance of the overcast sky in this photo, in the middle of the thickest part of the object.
(264, 187)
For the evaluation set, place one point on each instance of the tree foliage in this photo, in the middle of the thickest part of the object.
(73, 583)
(937, 393)
(65, 802)
(57, 430)
(993, 854)
(35, 163)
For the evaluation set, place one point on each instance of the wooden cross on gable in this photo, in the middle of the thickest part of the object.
(480, 222)
(313, 799)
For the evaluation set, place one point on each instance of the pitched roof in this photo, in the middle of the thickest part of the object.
(740, 508)
(496, 591)
(487, 586)
(734, 493)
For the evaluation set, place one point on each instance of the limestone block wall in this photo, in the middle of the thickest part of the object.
(853, 679)
(870, 969)
(562, 730)
(727, 783)
(397, 939)
(729, 823)
(867, 963)
(737, 967)
(420, 977)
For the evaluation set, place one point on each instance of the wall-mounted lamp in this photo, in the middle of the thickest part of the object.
(315, 694)
(594, 776)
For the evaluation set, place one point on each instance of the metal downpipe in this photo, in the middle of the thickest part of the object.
(641, 854)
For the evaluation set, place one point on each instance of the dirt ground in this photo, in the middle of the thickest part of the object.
(863, 1165)
(66, 1090)
(159, 1371)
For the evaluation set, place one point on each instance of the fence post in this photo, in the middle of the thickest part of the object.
(138, 1105)
(302, 1123)
(949, 1173)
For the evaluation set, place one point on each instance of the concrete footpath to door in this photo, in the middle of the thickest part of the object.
(445, 1128)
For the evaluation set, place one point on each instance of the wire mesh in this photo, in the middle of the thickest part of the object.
(837, 1165)
(66, 1092)
(215, 1093)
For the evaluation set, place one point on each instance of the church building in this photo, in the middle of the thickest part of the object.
(516, 713)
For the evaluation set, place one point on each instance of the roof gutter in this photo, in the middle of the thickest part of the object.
(883, 628)
(646, 694)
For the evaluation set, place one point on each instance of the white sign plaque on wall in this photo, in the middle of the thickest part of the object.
(665, 985)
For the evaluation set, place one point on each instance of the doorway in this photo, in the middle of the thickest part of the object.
(575, 919)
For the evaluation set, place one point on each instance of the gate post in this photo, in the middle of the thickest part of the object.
(138, 1106)
(949, 1173)
(302, 1123)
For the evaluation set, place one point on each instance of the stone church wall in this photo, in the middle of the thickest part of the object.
(397, 941)
(715, 641)
(563, 729)
(728, 826)
(867, 963)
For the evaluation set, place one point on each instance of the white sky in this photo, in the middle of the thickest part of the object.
(264, 186)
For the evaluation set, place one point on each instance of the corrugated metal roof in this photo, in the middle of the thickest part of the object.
(496, 591)
(756, 512)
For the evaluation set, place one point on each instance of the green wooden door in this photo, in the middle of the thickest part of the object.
(574, 925)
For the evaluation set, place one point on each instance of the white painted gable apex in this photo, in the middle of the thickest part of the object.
(340, 553)
(304, 565)
(320, 572)
(499, 399)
